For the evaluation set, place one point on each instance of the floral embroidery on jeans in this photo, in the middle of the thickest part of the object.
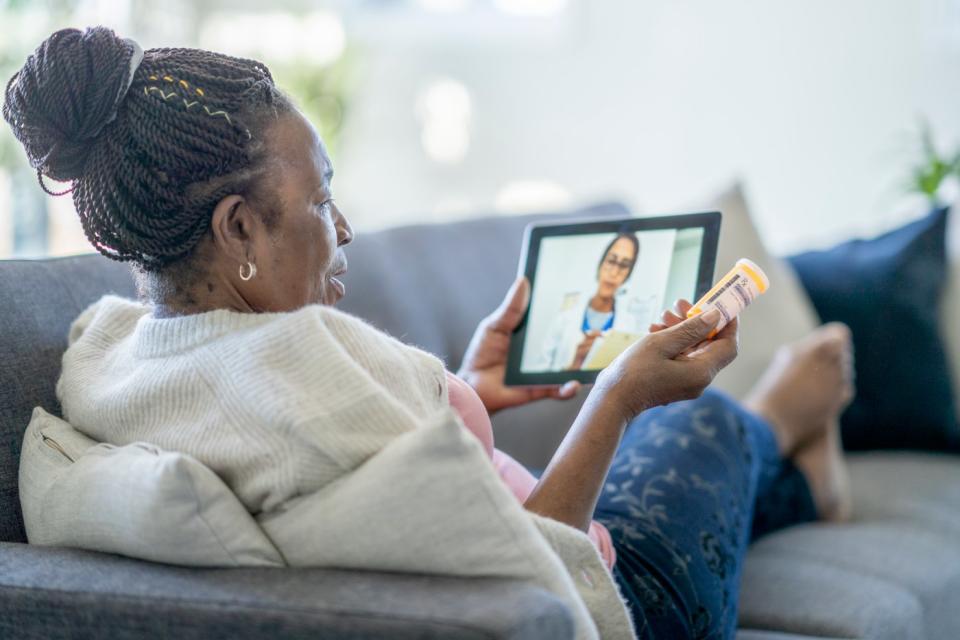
(679, 504)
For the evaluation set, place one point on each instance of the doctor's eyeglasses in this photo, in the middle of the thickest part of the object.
(612, 263)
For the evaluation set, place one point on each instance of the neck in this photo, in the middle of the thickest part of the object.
(602, 303)
(170, 296)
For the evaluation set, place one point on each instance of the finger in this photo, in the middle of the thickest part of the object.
(537, 393)
(722, 349)
(656, 327)
(566, 390)
(681, 306)
(678, 338)
(670, 318)
(514, 305)
(718, 353)
(561, 392)
(731, 330)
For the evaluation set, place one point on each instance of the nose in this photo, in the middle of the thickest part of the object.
(344, 230)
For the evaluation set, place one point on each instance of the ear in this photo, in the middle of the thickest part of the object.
(233, 227)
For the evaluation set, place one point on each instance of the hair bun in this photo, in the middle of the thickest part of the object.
(68, 90)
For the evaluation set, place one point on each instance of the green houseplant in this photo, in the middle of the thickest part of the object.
(935, 168)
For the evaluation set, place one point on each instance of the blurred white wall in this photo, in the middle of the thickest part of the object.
(813, 103)
(458, 107)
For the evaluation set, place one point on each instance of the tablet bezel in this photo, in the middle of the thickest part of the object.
(535, 232)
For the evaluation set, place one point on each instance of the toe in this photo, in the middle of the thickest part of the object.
(828, 346)
(841, 332)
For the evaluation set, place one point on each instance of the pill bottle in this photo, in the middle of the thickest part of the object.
(733, 293)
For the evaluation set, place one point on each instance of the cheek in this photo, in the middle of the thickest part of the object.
(325, 246)
(319, 251)
(298, 265)
(309, 247)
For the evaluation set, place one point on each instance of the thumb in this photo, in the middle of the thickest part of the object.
(514, 305)
(687, 334)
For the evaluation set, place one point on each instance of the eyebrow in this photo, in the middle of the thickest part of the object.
(328, 176)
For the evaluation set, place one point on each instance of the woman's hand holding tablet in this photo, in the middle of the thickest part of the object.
(485, 360)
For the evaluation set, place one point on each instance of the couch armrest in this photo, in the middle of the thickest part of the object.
(54, 593)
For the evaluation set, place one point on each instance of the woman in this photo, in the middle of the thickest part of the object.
(584, 316)
(197, 170)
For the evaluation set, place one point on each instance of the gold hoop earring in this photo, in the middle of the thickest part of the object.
(250, 274)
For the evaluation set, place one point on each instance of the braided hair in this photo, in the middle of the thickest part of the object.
(148, 163)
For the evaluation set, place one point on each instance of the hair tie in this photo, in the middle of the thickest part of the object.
(135, 59)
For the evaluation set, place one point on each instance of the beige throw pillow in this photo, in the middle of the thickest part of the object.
(134, 500)
(782, 315)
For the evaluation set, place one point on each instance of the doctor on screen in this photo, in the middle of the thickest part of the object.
(585, 315)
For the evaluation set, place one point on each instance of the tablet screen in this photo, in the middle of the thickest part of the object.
(596, 287)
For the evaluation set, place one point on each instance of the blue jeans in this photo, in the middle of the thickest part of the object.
(691, 485)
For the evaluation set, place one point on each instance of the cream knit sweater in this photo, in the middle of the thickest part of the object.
(287, 407)
(277, 404)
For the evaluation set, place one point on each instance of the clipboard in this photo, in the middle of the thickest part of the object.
(607, 347)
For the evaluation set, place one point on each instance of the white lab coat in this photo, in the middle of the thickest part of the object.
(633, 314)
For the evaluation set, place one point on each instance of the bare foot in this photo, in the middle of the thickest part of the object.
(806, 387)
(802, 395)
(821, 461)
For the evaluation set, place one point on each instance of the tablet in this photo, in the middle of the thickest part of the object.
(597, 285)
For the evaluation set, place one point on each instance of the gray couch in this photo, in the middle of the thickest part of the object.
(894, 573)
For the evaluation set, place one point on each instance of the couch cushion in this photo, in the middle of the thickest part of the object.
(77, 493)
(813, 598)
(904, 534)
(906, 557)
(50, 593)
(41, 300)
(907, 487)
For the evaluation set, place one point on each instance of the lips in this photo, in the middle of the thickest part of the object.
(338, 286)
(335, 281)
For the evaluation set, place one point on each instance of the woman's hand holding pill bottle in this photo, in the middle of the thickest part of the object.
(733, 293)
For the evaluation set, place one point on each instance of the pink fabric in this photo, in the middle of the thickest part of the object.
(521, 482)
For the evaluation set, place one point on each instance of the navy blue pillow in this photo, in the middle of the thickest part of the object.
(888, 290)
